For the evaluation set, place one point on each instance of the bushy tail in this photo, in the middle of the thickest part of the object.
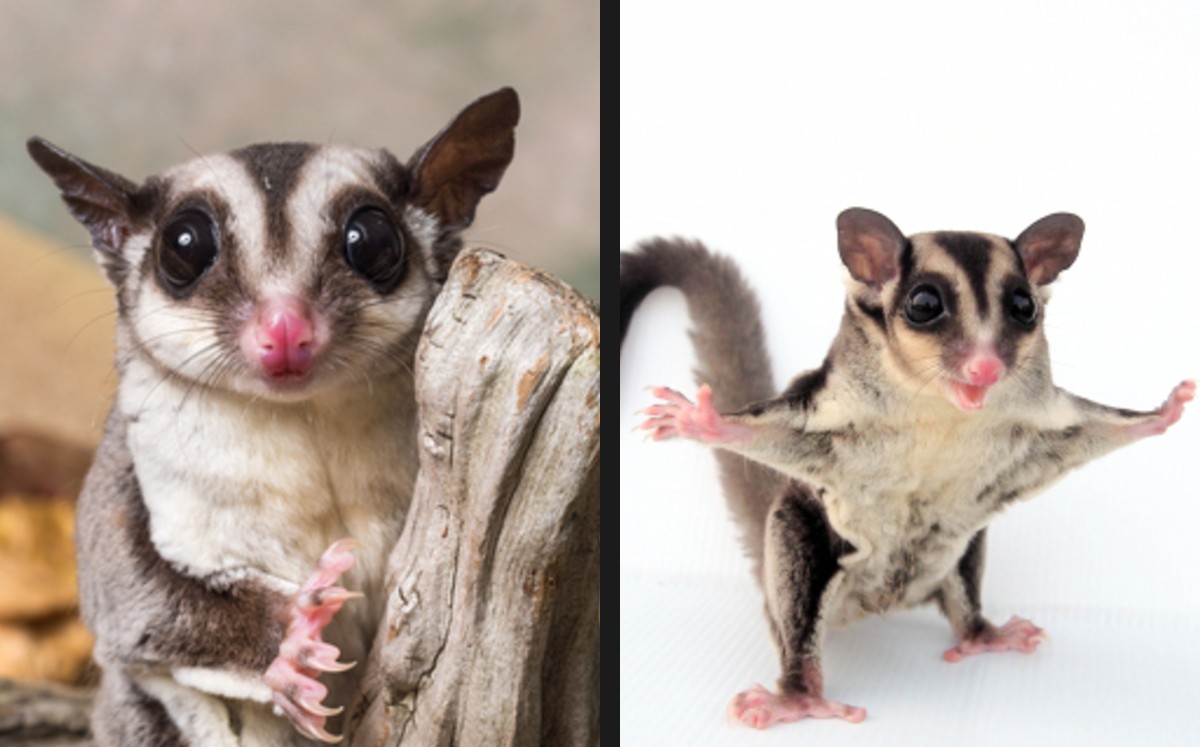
(732, 357)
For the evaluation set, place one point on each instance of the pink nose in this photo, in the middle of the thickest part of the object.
(282, 338)
(983, 370)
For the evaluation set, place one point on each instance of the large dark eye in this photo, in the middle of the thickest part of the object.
(374, 248)
(187, 249)
(1022, 308)
(924, 305)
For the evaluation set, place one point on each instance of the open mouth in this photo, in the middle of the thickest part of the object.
(968, 397)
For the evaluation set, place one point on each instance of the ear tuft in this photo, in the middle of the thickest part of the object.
(870, 246)
(98, 198)
(1050, 246)
(465, 161)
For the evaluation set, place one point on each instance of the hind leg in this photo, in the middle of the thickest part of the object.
(799, 567)
(959, 600)
(124, 715)
(155, 709)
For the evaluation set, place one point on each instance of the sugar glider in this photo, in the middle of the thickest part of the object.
(269, 301)
(868, 484)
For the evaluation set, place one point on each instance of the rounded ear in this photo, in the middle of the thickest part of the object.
(1050, 246)
(870, 246)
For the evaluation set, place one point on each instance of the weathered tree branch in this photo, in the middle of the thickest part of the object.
(492, 628)
(43, 715)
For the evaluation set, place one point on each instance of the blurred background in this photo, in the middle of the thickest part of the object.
(137, 86)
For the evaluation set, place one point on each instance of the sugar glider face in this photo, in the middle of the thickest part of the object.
(962, 314)
(278, 270)
(958, 314)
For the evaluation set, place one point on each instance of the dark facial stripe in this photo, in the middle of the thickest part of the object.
(907, 263)
(392, 178)
(1012, 245)
(276, 168)
(973, 253)
(874, 313)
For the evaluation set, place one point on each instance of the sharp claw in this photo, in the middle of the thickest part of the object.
(315, 656)
(331, 596)
(303, 715)
(337, 593)
(344, 546)
(312, 731)
(298, 695)
(336, 666)
(318, 709)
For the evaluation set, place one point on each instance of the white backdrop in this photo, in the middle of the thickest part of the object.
(750, 125)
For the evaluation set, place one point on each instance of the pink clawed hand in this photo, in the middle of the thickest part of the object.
(1170, 412)
(303, 655)
(677, 416)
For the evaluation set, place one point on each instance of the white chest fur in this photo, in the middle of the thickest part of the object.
(909, 497)
(235, 487)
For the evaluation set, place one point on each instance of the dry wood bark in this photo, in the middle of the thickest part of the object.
(492, 629)
(34, 715)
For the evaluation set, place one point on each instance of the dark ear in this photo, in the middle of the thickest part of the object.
(870, 246)
(98, 198)
(1050, 246)
(465, 161)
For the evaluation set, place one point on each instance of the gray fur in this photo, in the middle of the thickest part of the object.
(215, 490)
(897, 465)
(856, 440)
(731, 356)
(115, 537)
(143, 720)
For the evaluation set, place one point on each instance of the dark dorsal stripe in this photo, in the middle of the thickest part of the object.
(276, 168)
(973, 253)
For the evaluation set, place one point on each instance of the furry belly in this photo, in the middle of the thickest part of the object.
(902, 575)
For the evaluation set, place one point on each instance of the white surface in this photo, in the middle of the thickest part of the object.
(750, 126)
(1108, 677)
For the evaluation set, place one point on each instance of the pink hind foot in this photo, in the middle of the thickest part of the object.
(759, 708)
(1018, 634)
(303, 655)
